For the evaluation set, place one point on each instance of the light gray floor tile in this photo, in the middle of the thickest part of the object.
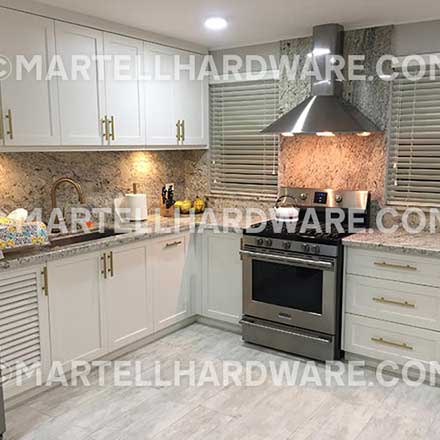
(225, 411)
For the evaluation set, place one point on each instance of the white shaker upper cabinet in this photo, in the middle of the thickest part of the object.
(160, 96)
(176, 98)
(82, 98)
(192, 90)
(125, 90)
(29, 105)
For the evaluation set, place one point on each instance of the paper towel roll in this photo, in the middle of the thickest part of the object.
(136, 205)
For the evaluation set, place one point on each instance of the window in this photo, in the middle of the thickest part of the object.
(243, 161)
(414, 149)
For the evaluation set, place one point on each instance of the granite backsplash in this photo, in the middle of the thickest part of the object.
(26, 178)
(344, 162)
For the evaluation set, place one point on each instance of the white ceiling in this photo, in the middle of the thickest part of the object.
(250, 21)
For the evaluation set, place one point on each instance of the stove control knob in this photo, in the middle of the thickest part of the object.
(306, 248)
(287, 245)
(316, 249)
(268, 242)
(260, 242)
(303, 196)
(339, 198)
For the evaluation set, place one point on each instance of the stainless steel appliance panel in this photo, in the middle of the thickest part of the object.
(289, 339)
(298, 290)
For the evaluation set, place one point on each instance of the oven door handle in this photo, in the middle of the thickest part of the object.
(294, 260)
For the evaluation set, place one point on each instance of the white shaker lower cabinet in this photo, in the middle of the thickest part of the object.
(222, 277)
(169, 285)
(76, 324)
(392, 306)
(127, 302)
(24, 327)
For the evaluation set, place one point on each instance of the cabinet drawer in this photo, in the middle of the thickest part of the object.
(388, 341)
(386, 265)
(393, 301)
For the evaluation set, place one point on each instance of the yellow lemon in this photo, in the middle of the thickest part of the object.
(199, 205)
(186, 206)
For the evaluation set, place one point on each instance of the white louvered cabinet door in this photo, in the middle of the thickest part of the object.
(24, 335)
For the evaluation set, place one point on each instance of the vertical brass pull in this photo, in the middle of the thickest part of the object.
(111, 269)
(112, 123)
(10, 131)
(182, 132)
(45, 286)
(104, 266)
(2, 134)
(178, 135)
(105, 130)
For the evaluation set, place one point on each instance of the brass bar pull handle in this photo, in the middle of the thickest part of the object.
(104, 266)
(10, 131)
(112, 123)
(178, 135)
(173, 244)
(45, 286)
(105, 130)
(111, 269)
(383, 341)
(182, 126)
(383, 300)
(394, 266)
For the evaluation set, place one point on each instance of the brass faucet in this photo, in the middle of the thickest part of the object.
(59, 182)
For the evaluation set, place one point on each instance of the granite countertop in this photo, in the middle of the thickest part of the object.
(154, 226)
(423, 244)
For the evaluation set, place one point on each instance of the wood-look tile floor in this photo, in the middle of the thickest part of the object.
(228, 412)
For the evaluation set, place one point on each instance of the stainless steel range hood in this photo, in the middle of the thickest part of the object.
(325, 113)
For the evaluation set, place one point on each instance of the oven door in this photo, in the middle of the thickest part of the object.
(297, 290)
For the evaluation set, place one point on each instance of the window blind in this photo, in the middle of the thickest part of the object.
(413, 177)
(243, 161)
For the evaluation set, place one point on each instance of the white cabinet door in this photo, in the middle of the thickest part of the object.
(169, 288)
(76, 325)
(24, 327)
(127, 302)
(160, 95)
(30, 104)
(222, 274)
(82, 97)
(125, 95)
(192, 100)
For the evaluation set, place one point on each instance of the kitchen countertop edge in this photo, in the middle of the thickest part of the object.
(422, 244)
(45, 255)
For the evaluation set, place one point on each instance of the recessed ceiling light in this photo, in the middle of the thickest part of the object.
(216, 23)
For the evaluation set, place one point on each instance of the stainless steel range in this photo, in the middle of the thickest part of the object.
(292, 273)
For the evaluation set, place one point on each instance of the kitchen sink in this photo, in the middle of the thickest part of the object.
(67, 240)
